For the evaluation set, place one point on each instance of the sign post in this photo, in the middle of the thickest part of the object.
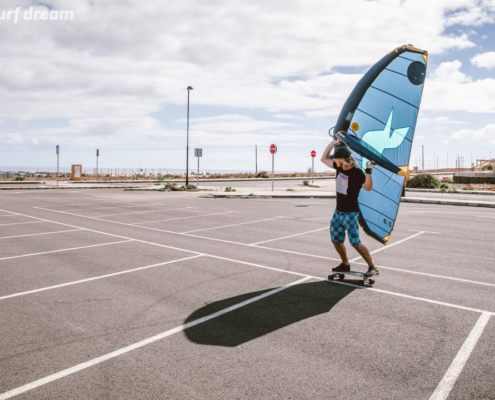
(198, 153)
(313, 155)
(273, 150)
(97, 155)
(58, 157)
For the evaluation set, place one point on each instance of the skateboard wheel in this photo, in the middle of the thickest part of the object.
(330, 277)
(371, 281)
(341, 277)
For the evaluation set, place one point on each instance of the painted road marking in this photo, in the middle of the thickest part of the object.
(142, 343)
(192, 216)
(136, 212)
(72, 248)
(20, 223)
(390, 245)
(285, 237)
(43, 233)
(448, 381)
(279, 269)
(102, 208)
(288, 251)
(227, 226)
(97, 277)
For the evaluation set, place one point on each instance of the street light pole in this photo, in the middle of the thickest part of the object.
(187, 146)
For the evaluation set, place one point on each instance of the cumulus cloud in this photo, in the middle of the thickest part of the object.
(119, 61)
(437, 121)
(450, 89)
(485, 134)
(484, 60)
(233, 123)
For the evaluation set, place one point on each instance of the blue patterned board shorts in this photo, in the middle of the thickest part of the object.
(342, 222)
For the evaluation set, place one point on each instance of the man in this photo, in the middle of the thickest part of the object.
(349, 181)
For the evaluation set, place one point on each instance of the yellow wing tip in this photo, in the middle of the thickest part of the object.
(404, 170)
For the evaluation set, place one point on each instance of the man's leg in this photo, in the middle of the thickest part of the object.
(340, 247)
(353, 233)
(337, 234)
(364, 252)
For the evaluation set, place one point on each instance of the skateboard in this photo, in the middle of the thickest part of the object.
(341, 276)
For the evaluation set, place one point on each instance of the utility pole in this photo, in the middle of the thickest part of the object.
(256, 157)
(187, 146)
(423, 157)
(97, 155)
(58, 158)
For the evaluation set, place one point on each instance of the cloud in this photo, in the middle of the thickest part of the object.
(449, 89)
(438, 121)
(119, 62)
(232, 124)
(287, 116)
(484, 60)
(485, 134)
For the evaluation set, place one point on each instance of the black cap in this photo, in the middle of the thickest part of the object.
(341, 152)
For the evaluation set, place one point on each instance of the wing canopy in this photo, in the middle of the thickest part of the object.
(378, 122)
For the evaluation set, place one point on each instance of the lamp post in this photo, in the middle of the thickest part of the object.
(187, 146)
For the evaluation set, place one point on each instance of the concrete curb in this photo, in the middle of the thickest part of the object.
(448, 202)
(68, 188)
(460, 191)
(277, 196)
(192, 180)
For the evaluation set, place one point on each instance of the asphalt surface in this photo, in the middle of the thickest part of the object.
(164, 295)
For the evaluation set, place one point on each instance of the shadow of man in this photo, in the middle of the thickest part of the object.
(264, 316)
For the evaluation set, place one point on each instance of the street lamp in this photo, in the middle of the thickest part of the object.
(187, 146)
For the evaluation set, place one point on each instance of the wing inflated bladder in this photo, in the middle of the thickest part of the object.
(377, 122)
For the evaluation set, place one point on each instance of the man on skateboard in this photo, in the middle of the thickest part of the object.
(349, 181)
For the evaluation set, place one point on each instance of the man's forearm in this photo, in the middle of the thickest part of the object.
(368, 183)
(327, 151)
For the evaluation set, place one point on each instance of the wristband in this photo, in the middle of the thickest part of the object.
(368, 171)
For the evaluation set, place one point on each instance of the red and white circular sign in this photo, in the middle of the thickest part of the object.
(273, 148)
(313, 153)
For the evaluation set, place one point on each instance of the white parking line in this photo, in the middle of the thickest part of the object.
(86, 203)
(43, 233)
(285, 237)
(192, 216)
(447, 383)
(20, 223)
(137, 212)
(227, 226)
(142, 343)
(294, 252)
(72, 248)
(8, 215)
(261, 266)
(102, 208)
(390, 245)
(97, 277)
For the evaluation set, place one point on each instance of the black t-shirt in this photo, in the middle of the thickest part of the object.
(348, 184)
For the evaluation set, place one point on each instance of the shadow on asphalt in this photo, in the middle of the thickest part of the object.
(264, 316)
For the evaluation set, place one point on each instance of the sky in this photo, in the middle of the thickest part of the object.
(113, 75)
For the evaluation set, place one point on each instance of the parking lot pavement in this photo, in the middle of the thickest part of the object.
(111, 294)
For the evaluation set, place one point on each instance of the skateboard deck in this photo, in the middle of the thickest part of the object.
(367, 281)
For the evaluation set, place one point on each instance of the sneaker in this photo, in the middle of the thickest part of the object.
(342, 268)
(371, 272)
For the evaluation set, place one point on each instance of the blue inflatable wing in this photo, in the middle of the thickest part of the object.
(377, 123)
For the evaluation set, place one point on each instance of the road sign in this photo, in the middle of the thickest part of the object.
(57, 149)
(313, 154)
(273, 148)
(97, 152)
(198, 152)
